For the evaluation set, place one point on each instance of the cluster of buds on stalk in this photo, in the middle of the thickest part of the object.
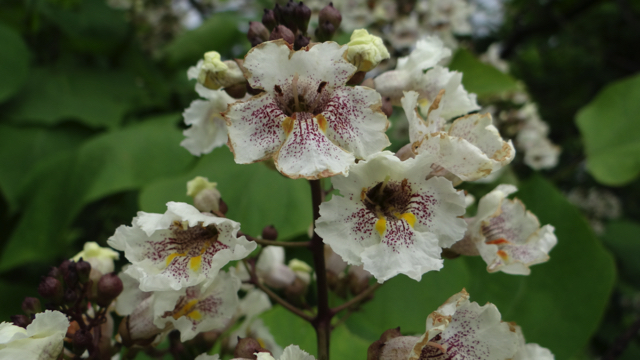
(84, 295)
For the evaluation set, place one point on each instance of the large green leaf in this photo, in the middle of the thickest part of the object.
(21, 148)
(481, 78)
(14, 62)
(289, 329)
(610, 129)
(60, 186)
(558, 306)
(256, 195)
(622, 237)
(96, 99)
(220, 33)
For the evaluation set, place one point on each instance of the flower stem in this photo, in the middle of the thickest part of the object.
(264, 242)
(356, 300)
(322, 321)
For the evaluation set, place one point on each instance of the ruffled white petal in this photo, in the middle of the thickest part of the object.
(427, 54)
(208, 128)
(456, 100)
(293, 352)
(418, 127)
(42, 340)
(180, 248)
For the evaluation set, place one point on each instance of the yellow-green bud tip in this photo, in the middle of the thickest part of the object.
(198, 184)
(366, 51)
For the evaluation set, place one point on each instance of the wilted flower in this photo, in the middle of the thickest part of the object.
(306, 119)
(508, 237)
(180, 248)
(42, 339)
(390, 218)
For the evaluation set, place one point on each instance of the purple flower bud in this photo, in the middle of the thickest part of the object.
(55, 273)
(83, 268)
(70, 296)
(288, 17)
(257, 33)
(247, 347)
(31, 306)
(82, 340)
(51, 289)
(301, 16)
(325, 31)
(223, 205)
(282, 32)
(69, 272)
(269, 19)
(20, 320)
(330, 14)
(301, 41)
(109, 287)
(269, 233)
(387, 107)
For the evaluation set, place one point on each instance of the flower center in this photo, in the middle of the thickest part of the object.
(302, 96)
(389, 201)
(191, 242)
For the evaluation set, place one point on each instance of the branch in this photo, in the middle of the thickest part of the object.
(290, 244)
(356, 300)
(255, 281)
(621, 343)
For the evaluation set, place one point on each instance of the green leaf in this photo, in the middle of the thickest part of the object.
(14, 62)
(559, 305)
(60, 186)
(220, 33)
(610, 130)
(404, 302)
(288, 329)
(21, 148)
(96, 99)
(622, 238)
(256, 195)
(480, 78)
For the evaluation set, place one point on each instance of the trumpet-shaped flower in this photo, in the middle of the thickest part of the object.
(291, 352)
(198, 308)
(464, 330)
(42, 339)
(207, 127)
(180, 248)
(390, 219)
(307, 120)
(471, 149)
(508, 237)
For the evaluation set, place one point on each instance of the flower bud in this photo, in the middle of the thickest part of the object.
(296, 291)
(223, 207)
(109, 287)
(82, 340)
(288, 16)
(325, 31)
(269, 233)
(330, 14)
(376, 348)
(55, 273)
(215, 74)
(357, 78)
(83, 269)
(366, 51)
(69, 272)
(70, 296)
(301, 269)
(282, 32)
(138, 328)
(406, 152)
(277, 12)
(269, 19)
(387, 106)
(301, 17)
(247, 347)
(258, 33)
(301, 41)
(20, 320)
(31, 306)
(204, 193)
(236, 91)
(398, 348)
(51, 289)
(64, 267)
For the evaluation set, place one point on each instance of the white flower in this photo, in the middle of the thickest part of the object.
(198, 308)
(409, 75)
(180, 248)
(390, 218)
(100, 258)
(41, 340)
(291, 352)
(306, 119)
(208, 129)
(471, 149)
(464, 330)
(366, 51)
(508, 237)
(532, 138)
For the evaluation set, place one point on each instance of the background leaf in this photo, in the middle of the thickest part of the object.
(610, 129)
(480, 78)
(14, 62)
(256, 195)
(623, 238)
